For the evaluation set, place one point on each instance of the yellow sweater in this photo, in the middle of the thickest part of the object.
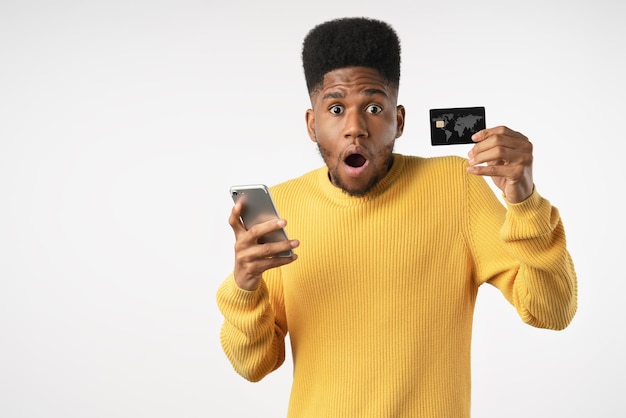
(379, 304)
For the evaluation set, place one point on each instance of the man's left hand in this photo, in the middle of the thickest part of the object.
(507, 157)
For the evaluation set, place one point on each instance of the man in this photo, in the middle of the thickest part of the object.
(391, 249)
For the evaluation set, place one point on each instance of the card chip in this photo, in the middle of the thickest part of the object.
(439, 124)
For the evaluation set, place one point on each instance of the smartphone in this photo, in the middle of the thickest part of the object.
(258, 207)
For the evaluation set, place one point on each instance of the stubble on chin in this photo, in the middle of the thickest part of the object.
(335, 178)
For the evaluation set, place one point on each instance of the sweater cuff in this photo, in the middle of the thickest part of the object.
(232, 296)
(533, 217)
(526, 208)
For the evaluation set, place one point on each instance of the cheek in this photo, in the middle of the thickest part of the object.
(328, 147)
(386, 130)
(325, 125)
(327, 133)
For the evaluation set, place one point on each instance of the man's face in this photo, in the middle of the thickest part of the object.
(355, 121)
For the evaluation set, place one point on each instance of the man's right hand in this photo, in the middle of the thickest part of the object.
(252, 258)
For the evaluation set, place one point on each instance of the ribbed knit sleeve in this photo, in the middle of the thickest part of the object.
(251, 337)
(523, 253)
(545, 289)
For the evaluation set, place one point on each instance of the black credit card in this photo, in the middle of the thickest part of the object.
(455, 125)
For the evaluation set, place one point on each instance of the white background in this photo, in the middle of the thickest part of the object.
(123, 123)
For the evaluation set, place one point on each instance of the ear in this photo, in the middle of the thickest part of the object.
(400, 114)
(310, 124)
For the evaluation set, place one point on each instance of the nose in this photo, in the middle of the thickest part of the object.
(355, 125)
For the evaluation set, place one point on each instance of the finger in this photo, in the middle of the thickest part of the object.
(501, 148)
(254, 255)
(235, 218)
(493, 137)
(264, 228)
(252, 238)
(496, 130)
(499, 155)
(260, 265)
(249, 266)
(275, 249)
(510, 172)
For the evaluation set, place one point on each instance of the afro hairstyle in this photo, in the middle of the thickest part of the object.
(351, 42)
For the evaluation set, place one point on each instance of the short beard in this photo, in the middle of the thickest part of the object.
(336, 179)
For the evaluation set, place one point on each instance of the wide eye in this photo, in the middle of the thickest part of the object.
(374, 109)
(336, 110)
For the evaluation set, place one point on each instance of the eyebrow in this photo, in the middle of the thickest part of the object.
(366, 92)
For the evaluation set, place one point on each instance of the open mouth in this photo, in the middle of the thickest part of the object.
(355, 160)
